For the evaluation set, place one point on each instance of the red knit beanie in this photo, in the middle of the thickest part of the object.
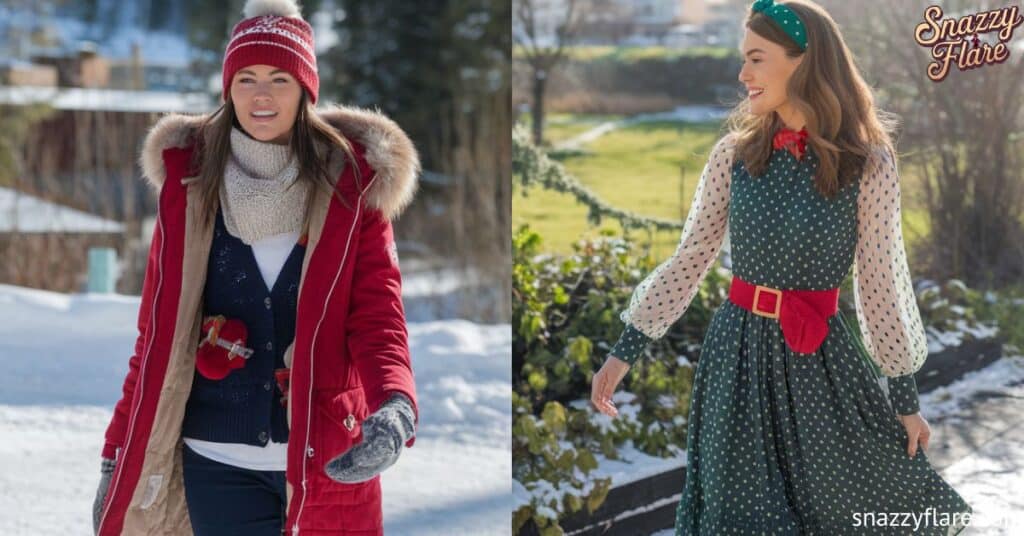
(273, 33)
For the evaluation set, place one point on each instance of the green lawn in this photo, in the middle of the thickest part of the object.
(651, 169)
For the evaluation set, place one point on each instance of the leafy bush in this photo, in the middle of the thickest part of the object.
(565, 318)
(953, 313)
(1005, 308)
(948, 307)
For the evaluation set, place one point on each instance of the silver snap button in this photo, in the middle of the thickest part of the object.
(263, 437)
(350, 422)
(270, 346)
(309, 452)
(266, 386)
(266, 301)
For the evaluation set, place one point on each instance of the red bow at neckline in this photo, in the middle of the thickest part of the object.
(793, 141)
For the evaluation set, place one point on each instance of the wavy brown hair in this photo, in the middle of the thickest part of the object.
(843, 123)
(311, 141)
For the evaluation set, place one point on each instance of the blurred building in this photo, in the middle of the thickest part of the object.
(81, 66)
(82, 155)
(45, 245)
(672, 23)
(15, 72)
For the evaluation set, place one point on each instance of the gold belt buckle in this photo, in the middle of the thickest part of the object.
(758, 289)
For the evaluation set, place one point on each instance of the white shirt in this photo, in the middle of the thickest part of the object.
(270, 253)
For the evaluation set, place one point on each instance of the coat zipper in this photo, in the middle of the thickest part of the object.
(309, 399)
(140, 379)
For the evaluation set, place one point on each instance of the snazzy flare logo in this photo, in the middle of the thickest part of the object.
(957, 41)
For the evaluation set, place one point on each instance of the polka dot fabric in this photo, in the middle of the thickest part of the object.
(883, 291)
(790, 443)
(665, 293)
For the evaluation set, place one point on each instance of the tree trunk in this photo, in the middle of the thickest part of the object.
(539, 84)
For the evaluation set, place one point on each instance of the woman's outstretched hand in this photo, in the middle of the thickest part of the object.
(917, 432)
(604, 383)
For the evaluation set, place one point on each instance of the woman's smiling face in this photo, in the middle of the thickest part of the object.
(765, 72)
(266, 101)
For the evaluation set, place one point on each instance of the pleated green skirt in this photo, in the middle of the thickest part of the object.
(801, 444)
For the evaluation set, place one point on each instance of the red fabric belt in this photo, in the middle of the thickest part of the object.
(802, 314)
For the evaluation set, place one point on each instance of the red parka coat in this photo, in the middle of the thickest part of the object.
(350, 348)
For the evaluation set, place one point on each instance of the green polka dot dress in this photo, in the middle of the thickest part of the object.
(798, 443)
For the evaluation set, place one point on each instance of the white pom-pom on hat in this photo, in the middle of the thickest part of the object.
(283, 8)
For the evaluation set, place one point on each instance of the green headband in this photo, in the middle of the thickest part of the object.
(785, 19)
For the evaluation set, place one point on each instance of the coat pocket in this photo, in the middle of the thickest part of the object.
(339, 419)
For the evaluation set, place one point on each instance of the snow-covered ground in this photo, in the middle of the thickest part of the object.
(990, 477)
(21, 212)
(64, 357)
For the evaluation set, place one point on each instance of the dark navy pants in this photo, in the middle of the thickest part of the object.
(224, 500)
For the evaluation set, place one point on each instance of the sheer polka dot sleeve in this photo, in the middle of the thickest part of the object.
(887, 310)
(664, 294)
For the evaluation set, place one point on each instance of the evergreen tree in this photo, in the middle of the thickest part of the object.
(441, 69)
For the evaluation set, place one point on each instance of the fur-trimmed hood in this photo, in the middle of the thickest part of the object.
(389, 151)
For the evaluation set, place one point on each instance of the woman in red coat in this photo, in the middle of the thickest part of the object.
(266, 187)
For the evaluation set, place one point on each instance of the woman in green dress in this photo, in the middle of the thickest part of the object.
(790, 431)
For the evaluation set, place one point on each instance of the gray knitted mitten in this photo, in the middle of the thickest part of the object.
(384, 433)
(106, 471)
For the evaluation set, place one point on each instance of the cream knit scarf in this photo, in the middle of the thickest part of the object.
(260, 195)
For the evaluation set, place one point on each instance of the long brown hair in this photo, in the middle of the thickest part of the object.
(311, 142)
(843, 123)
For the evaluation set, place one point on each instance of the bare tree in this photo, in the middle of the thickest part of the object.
(961, 136)
(543, 52)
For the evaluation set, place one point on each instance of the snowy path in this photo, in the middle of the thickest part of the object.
(690, 114)
(66, 356)
(979, 422)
